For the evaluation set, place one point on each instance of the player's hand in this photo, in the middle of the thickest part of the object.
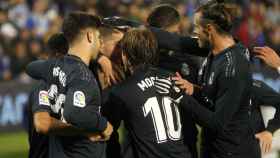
(268, 55)
(107, 132)
(119, 22)
(265, 139)
(183, 84)
(95, 137)
(166, 87)
(107, 69)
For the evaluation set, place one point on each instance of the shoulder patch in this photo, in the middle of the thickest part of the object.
(79, 99)
(44, 98)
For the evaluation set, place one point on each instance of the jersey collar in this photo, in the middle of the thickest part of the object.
(226, 50)
(74, 57)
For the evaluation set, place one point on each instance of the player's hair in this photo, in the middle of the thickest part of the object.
(140, 46)
(75, 22)
(163, 15)
(219, 14)
(57, 45)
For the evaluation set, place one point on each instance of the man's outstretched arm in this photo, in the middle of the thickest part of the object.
(166, 40)
(184, 44)
(39, 69)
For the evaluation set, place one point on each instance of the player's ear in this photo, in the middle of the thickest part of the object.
(208, 29)
(211, 28)
(124, 59)
(90, 37)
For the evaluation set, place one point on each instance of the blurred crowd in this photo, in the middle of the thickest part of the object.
(25, 25)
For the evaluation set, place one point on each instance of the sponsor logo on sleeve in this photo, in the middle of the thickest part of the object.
(79, 99)
(44, 98)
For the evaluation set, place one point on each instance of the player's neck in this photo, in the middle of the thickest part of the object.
(82, 53)
(221, 43)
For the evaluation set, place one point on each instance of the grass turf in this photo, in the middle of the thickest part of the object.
(13, 145)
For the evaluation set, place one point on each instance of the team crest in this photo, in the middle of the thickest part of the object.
(79, 99)
(185, 70)
(247, 54)
(43, 98)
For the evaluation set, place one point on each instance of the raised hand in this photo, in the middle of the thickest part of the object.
(268, 55)
(106, 67)
(119, 22)
(183, 84)
(166, 87)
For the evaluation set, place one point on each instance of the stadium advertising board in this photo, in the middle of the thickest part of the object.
(13, 109)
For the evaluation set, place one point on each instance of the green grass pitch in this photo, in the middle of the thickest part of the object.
(14, 145)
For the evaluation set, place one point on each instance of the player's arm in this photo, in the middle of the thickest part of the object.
(81, 107)
(231, 91)
(104, 64)
(43, 122)
(267, 96)
(40, 108)
(190, 89)
(113, 110)
(171, 41)
(165, 39)
(39, 69)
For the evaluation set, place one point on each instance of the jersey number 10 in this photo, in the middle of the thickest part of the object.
(152, 106)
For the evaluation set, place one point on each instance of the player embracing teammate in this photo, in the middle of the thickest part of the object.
(145, 100)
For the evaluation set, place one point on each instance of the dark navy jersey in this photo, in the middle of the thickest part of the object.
(75, 99)
(153, 122)
(263, 95)
(38, 102)
(226, 80)
(174, 57)
(187, 66)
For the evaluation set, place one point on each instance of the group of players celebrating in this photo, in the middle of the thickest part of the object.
(102, 72)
